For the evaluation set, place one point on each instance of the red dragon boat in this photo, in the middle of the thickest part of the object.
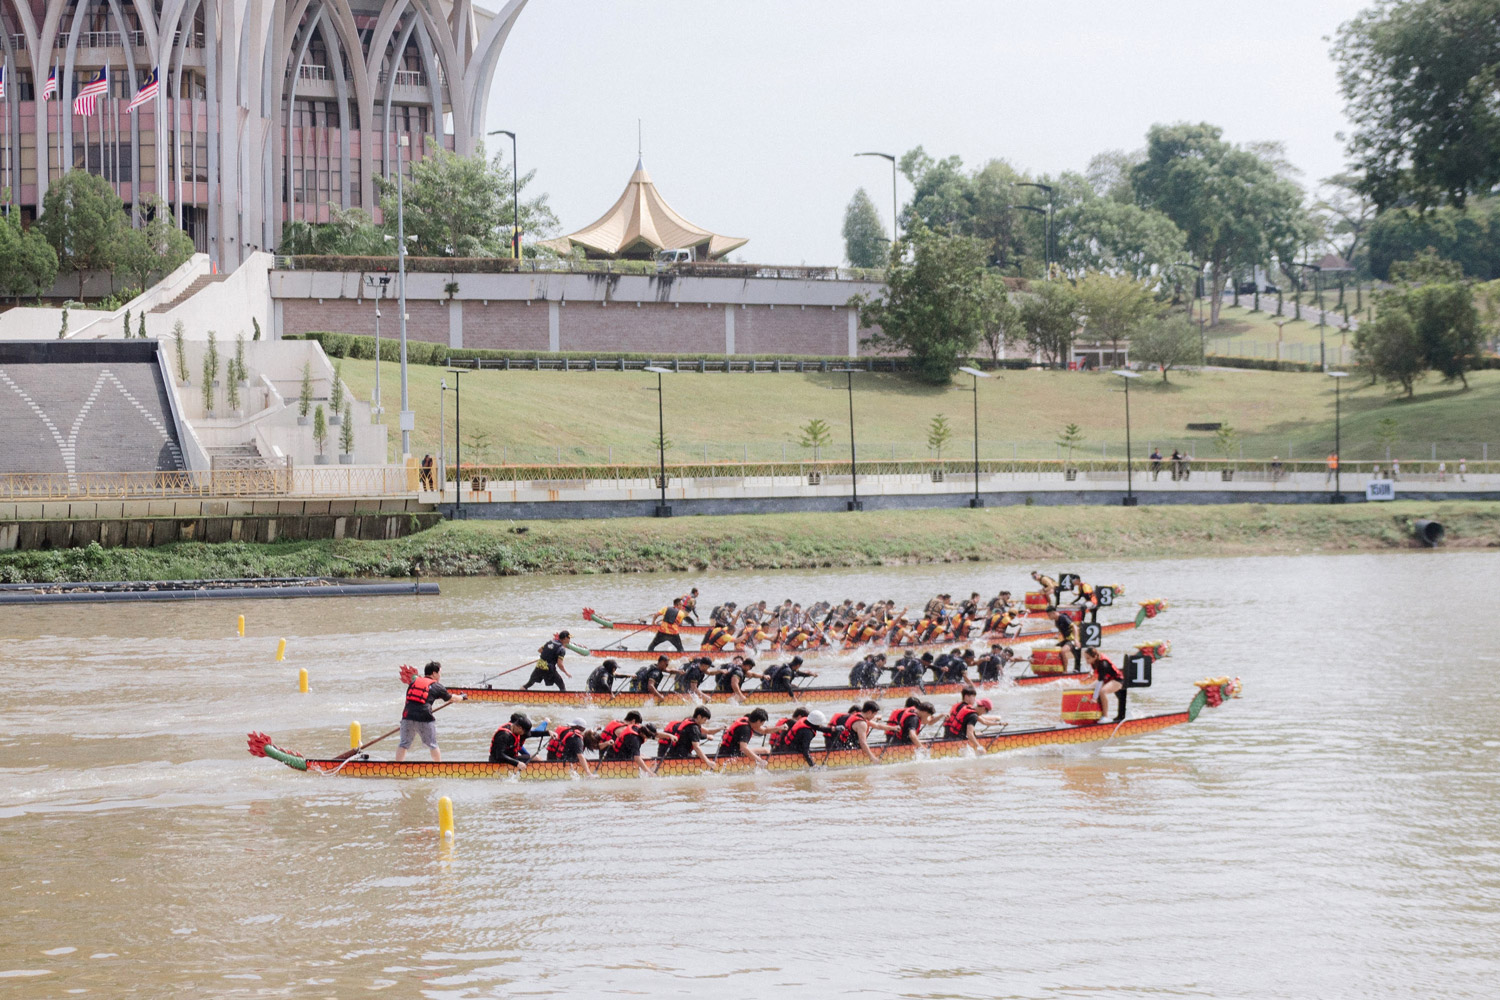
(1210, 693)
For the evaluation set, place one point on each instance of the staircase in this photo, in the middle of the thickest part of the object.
(240, 456)
(197, 285)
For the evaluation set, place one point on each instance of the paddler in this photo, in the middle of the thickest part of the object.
(416, 717)
(569, 742)
(906, 723)
(735, 741)
(865, 674)
(622, 740)
(602, 679)
(908, 671)
(991, 667)
(1067, 638)
(783, 676)
(717, 638)
(1089, 598)
(690, 607)
(549, 668)
(967, 713)
(853, 728)
(669, 622)
(751, 636)
(647, 680)
(685, 737)
(693, 675)
(1049, 587)
(1107, 681)
(508, 745)
(803, 731)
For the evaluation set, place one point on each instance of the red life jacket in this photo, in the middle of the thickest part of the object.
(779, 734)
(1105, 670)
(729, 739)
(671, 729)
(615, 733)
(958, 719)
(559, 741)
(797, 727)
(416, 692)
(898, 722)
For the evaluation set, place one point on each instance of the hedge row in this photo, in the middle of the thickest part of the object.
(1262, 364)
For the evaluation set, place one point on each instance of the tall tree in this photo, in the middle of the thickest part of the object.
(156, 247)
(933, 306)
(1113, 307)
(1103, 234)
(83, 219)
(1347, 216)
(1421, 79)
(865, 243)
(460, 206)
(28, 264)
(1000, 321)
(1166, 342)
(1049, 315)
(1233, 204)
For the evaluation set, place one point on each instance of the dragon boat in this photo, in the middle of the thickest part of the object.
(1081, 728)
(1148, 609)
(1047, 666)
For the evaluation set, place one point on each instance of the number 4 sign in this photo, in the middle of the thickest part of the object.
(1138, 670)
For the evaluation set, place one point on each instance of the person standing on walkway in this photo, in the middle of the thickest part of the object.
(416, 718)
(1176, 465)
(1395, 469)
(1333, 467)
(1155, 463)
(1463, 470)
(426, 477)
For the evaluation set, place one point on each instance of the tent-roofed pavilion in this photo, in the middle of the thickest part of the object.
(641, 223)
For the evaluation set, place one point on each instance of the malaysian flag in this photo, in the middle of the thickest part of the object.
(50, 89)
(87, 101)
(147, 92)
(2, 81)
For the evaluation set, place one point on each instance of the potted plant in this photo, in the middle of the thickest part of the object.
(304, 398)
(141, 330)
(346, 436)
(1226, 443)
(242, 374)
(815, 434)
(320, 435)
(1070, 438)
(232, 390)
(336, 394)
(939, 433)
(210, 374)
(256, 324)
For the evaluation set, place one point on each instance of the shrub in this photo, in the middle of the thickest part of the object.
(304, 398)
(320, 428)
(178, 334)
(346, 432)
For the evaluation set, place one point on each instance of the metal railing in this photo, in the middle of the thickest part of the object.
(303, 481)
(406, 78)
(502, 265)
(18, 42)
(311, 71)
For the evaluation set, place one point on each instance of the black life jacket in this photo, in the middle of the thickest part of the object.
(550, 652)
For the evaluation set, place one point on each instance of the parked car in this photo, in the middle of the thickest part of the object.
(1271, 289)
(1247, 288)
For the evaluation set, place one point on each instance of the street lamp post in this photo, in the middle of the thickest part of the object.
(854, 501)
(515, 195)
(442, 455)
(662, 510)
(974, 501)
(1047, 239)
(1338, 494)
(378, 283)
(458, 443)
(408, 418)
(1131, 500)
(887, 156)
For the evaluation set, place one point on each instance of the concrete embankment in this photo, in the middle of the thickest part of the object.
(787, 541)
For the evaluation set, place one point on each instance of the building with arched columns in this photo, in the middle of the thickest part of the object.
(267, 111)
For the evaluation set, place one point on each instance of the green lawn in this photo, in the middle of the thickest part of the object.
(593, 417)
(1243, 324)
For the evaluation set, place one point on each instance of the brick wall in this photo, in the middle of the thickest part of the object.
(791, 330)
(651, 326)
(506, 325)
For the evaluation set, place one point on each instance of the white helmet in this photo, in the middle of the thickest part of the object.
(579, 724)
(817, 718)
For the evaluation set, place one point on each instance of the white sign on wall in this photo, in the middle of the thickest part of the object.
(1380, 489)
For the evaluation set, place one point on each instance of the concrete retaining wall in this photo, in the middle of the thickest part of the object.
(149, 532)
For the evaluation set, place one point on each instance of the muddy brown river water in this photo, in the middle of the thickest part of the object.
(1335, 833)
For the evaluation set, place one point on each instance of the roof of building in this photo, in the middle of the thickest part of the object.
(640, 223)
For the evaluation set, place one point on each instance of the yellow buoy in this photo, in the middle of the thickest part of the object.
(280, 650)
(302, 680)
(242, 626)
(356, 737)
(445, 816)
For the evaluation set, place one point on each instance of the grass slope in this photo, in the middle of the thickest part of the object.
(781, 541)
(535, 417)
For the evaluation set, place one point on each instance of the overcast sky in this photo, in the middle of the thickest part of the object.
(752, 109)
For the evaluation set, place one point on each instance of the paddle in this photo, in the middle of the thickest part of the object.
(369, 743)
(638, 631)
(528, 663)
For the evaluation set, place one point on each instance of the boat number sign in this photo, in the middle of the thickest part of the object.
(1067, 581)
(1138, 670)
(1093, 634)
(1106, 596)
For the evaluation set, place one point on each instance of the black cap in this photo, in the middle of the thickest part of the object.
(520, 719)
(796, 661)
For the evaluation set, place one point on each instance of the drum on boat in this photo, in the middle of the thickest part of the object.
(1049, 661)
(1036, 600)
(1079, 707)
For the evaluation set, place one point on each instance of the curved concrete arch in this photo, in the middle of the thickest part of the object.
(390, 88)
(482, 67)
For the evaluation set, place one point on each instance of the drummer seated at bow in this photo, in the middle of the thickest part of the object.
(648, 679)
(1089, 598)
(622, 740)
(684, 738)
(803, 731)
(549, 669)
(568, 743)
(966, 715)
(906, 723)
(1107, 681)
(735, 741)
(508, 745)
(669, 622)
(602, 678)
